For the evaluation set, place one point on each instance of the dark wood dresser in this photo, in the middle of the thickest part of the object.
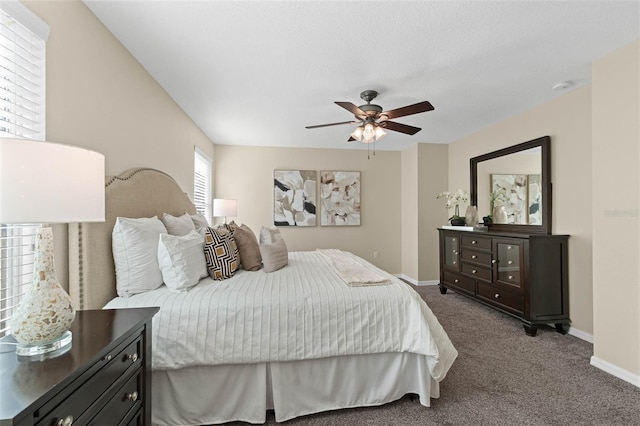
(523, 275)
(104, 379)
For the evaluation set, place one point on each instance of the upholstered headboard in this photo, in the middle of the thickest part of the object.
(135, 193)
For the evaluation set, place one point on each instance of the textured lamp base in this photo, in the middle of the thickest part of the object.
(48, 349)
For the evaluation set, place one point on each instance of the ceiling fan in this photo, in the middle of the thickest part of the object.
(373, 120)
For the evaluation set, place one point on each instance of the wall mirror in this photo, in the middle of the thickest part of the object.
(517, 180)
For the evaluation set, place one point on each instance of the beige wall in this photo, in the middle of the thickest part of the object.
(432, 180)
(616, 203)
(410, 213)
(246, 174)
(99, 97)
(567, 120)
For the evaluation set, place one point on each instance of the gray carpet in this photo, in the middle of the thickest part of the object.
(503, 377)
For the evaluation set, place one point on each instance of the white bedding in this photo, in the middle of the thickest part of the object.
(303, 311)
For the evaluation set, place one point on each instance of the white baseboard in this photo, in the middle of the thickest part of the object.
(416, 282)
(581, 334)
(614, 370)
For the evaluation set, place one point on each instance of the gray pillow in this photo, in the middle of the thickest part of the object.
(178, 226)
(248, 247)
(274, 256)
(269, 235)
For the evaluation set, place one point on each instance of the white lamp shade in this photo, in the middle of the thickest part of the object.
(44, 182)
(225, 207)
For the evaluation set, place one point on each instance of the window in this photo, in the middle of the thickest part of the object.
(23, 38)
(202, 184)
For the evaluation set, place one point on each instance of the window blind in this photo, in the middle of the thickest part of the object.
(23, 37)
(22, 73)
(202, 184)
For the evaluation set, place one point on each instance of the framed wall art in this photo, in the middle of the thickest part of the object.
(339, 198)
(514, 188)
(294, 202)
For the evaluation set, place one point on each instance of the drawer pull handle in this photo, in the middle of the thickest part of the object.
(456, 281)
(474, 271)
(454, 262)
(455, 252)
(510, 277)
(508, 247)
(67, 421)
(494, 261)
(474, 256)
(510, 262)
(107, 358)
(497, 295)
(132, 396)
(133, 357)
(474, 242)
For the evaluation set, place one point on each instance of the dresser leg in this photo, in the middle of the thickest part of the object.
(443, 290)
(531, 330)
(562, 328)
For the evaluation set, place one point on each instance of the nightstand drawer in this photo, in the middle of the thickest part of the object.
(507, 299)
(127, 399)
(89, 387)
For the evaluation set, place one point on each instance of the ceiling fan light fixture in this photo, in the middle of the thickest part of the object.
(379, 133)
(357, 133)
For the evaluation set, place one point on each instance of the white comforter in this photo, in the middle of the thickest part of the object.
(302, 311)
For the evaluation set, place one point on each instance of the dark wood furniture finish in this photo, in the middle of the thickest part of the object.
(105, 378)
(545, 150)
(523, 275)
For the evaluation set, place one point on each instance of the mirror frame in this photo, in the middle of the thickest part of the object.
(545, 144)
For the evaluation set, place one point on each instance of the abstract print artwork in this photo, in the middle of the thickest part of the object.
(339, 198)
(514, 188)
(294, 201)
(535, 199)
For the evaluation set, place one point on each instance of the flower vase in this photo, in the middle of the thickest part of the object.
(500, 214)
(45, 312)
(471, 216)
(456, 220)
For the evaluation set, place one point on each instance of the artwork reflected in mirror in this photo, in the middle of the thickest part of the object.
(515, 181)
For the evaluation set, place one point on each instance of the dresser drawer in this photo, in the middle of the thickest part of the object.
(459, 281)
(479, 257)
(478, 272)
(128, 399)
(89, 387)
(512, 301)
(474, 241)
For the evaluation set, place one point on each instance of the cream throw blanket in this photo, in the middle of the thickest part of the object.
(351, 271)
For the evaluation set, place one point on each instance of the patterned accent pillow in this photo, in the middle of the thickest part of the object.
(221, 253)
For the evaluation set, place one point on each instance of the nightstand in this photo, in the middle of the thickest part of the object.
(105, 378)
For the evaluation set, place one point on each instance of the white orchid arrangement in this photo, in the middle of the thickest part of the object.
(454, 199)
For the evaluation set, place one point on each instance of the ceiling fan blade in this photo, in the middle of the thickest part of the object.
(330, 124)
(408, 110)
(402, 128)
(352, 108)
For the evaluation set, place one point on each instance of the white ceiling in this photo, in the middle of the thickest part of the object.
(258, 72)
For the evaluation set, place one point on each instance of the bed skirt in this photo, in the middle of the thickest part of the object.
(244, 392)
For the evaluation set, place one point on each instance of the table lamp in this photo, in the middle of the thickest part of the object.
(44, 183)
(225, 207)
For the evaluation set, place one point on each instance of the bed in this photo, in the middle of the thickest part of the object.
(298, 340)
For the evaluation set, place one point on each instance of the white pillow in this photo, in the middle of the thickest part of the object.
(181, 260)
(135, 253)
(274, 256)
(200, 222)
(269, 235)
(181, 225)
